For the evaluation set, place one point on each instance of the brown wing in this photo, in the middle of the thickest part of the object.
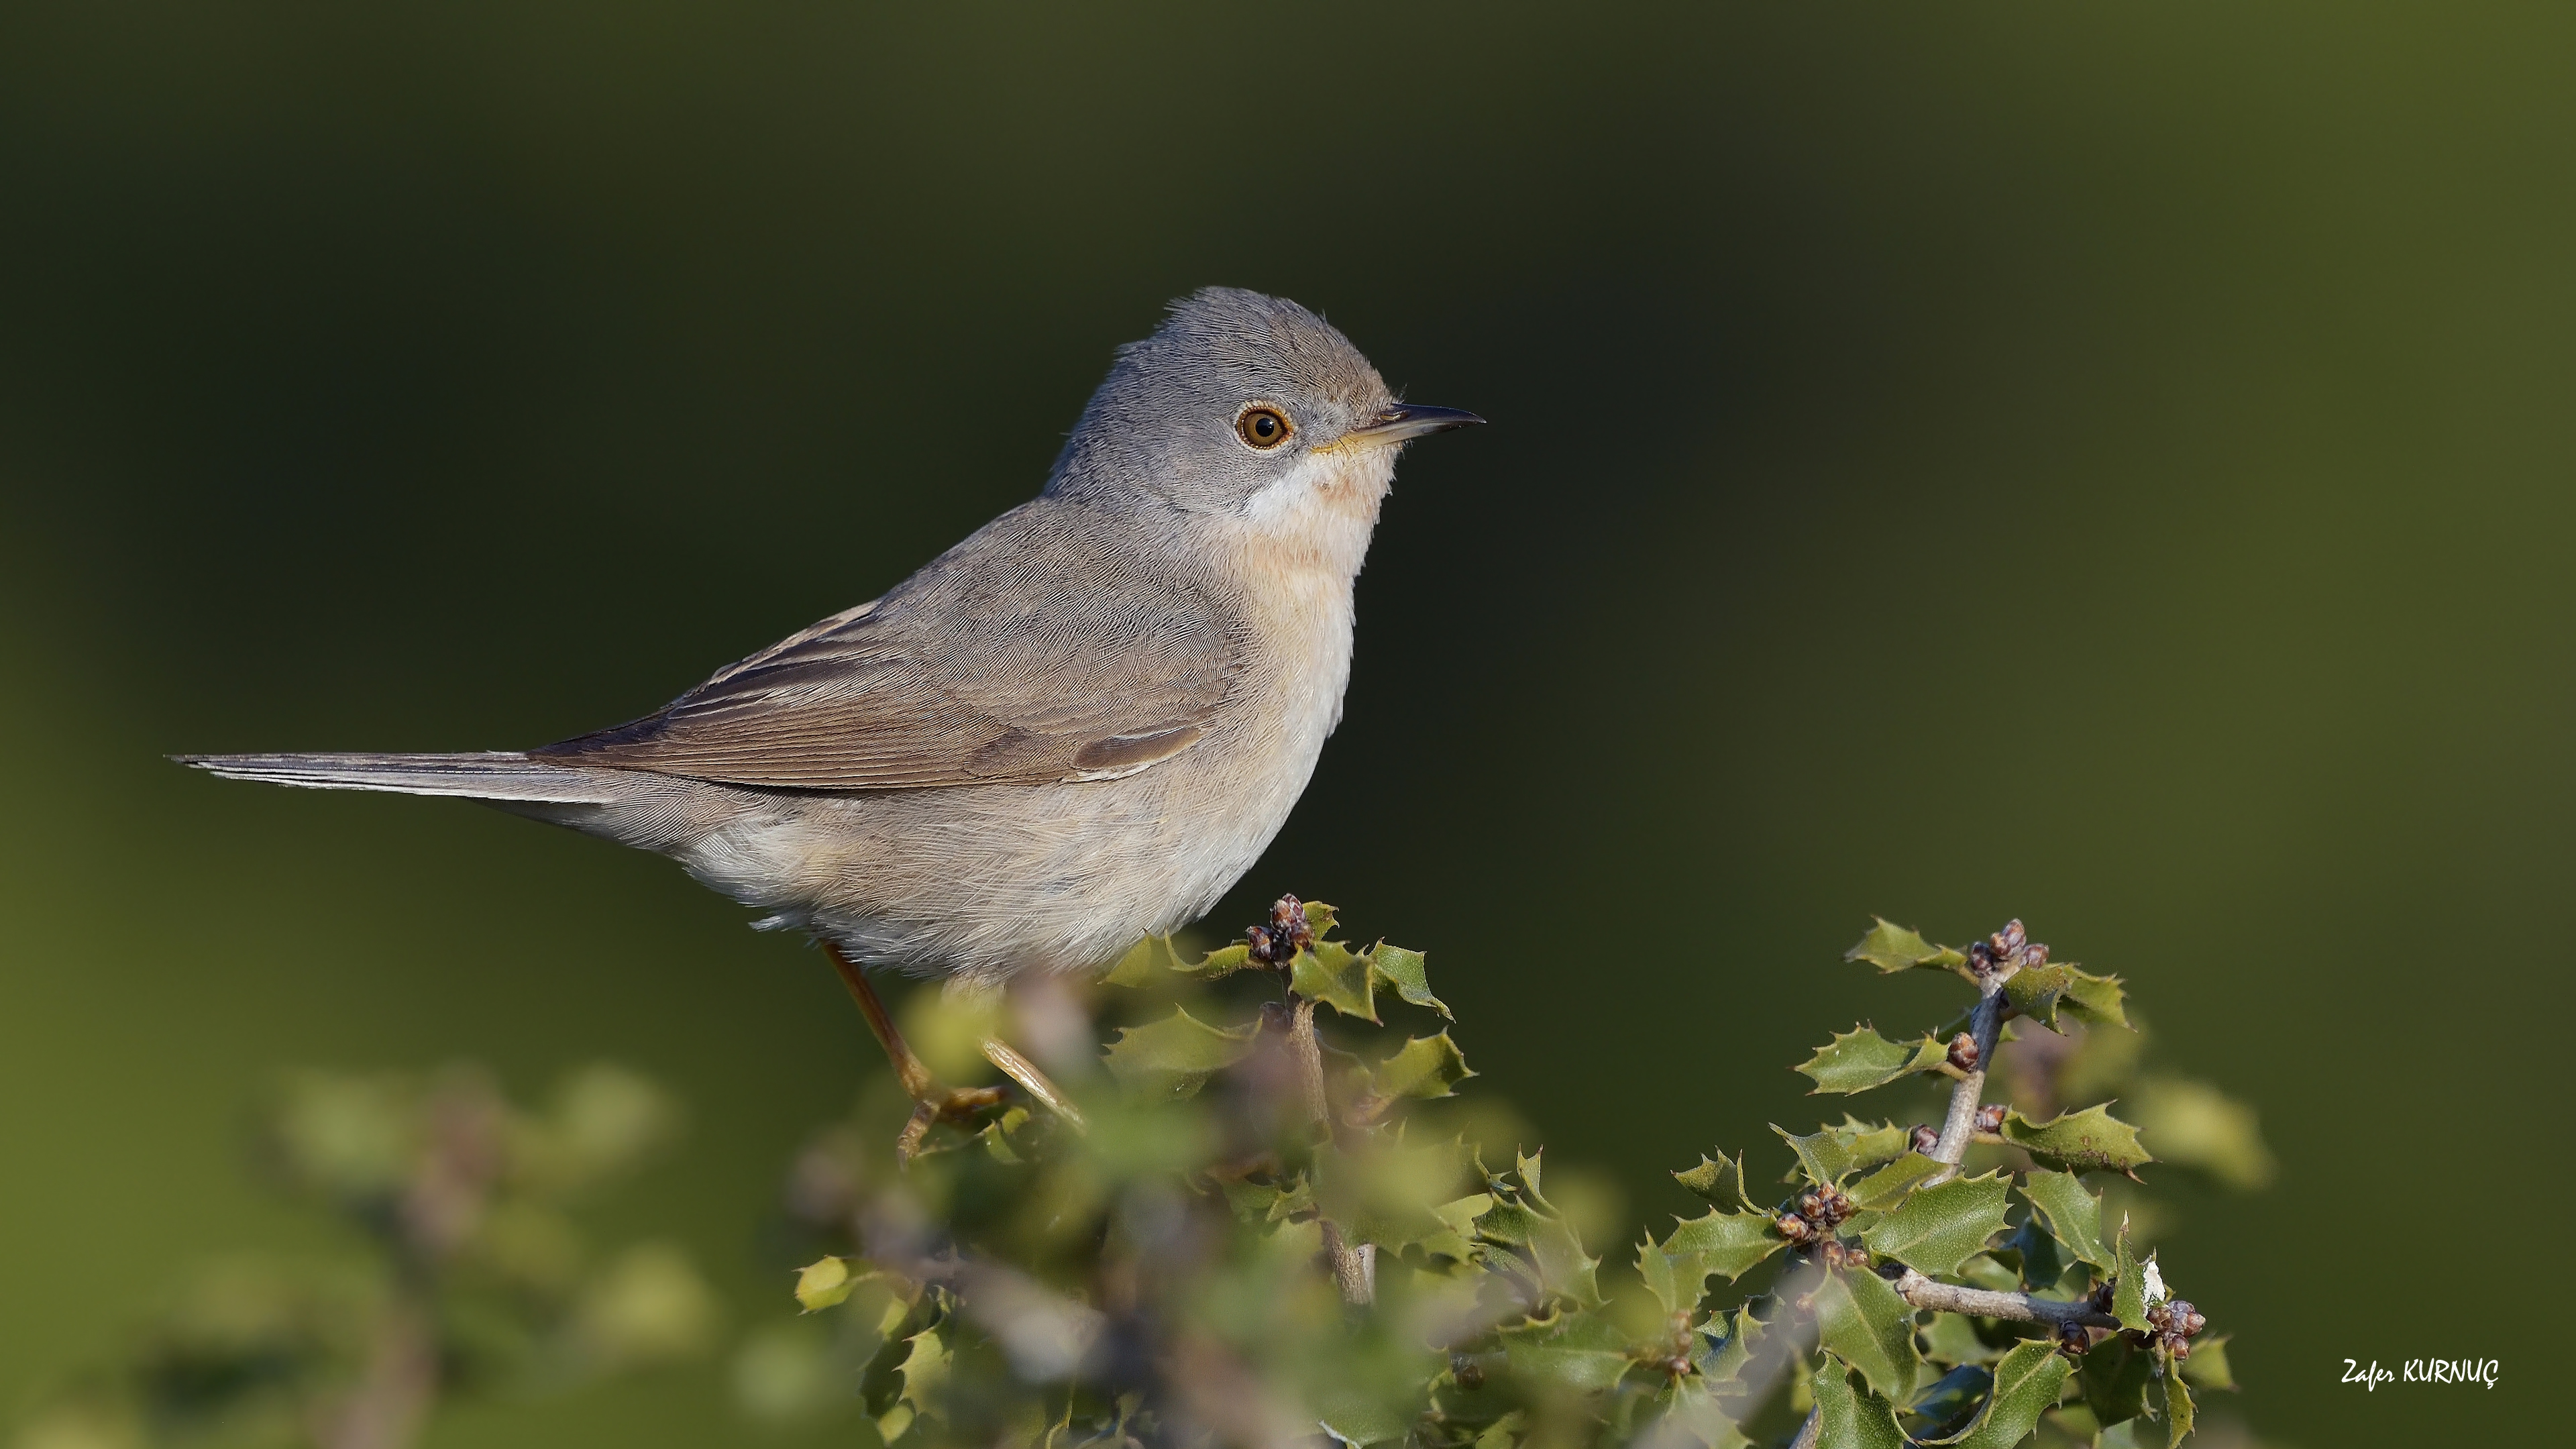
(1038, 650)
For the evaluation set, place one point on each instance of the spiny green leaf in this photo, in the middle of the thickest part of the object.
(1730, 1353)
(1424, 1067)
(1888, 1186)
(1849, 1416)
(2039, 992)
(1222, 962)
(2045, 1262)
(2088, 1141)
(2179, 1410)
(2116, 1375)
(1936, 1228)
(2073, 1215)
(1676, 1270)
(1321, 919)
(1359, 1419)
(2195, 1125)
(825, 1283)
(1861, 1320)
(1522, 1222)
(1331, 973)
(1950, 1397)
(2207, 1367)
(1834, 1153)
(2129, 1284)
(1404, 973)
(2027, 1383)
(1684, 1409)
(1859, 1059)
(1174, 1057)
(1578, 1349)
(1892, 948)
(1264, 1203)
(1141, 961)
(1720, 1180)
(925, 1372)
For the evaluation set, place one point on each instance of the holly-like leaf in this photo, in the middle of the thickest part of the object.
(1835, 1153)
(1522, 1222)
(2039, 992)
(2073, 1215)
(1142, 960)
(2027, 1383)
(1859, 1059)
(825, 1283)
(1222, 962)
(2116, 1375)
(1685, 1411)
(2129, 1284)
(2088, 1141)
(2179, 1411)
(2195, 1125)
(1892, 948)
(2045, 1262)
(1861, 1320)
(1727, 1244)
(1576, 1348)
(1331, 973)
(925, 1372)
(1359, 1419)
(1888, 1186)
(1937, 1228)
(1424, 1067)
(1850, 1416)
(1403, 972)
(1948, 1398)
(1174, 1057)
(1720, 1180)
(2207, 1367)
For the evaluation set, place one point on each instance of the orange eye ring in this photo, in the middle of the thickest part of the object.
(1262, 427)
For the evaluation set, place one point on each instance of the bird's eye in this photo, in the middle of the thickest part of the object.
(1263, 427)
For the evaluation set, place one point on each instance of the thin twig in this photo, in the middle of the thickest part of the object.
(1941, 1297)
(1985, 1026)
(1808, 1431)
(1354, 1266)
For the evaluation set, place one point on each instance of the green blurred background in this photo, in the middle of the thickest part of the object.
(2101, 464)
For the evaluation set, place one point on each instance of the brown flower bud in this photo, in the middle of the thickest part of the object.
(1925, 1138)
(1963, 1052)
(2010, 939)
(1990, 1118)
(1794, 1227)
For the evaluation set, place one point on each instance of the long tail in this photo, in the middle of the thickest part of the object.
(500, 775)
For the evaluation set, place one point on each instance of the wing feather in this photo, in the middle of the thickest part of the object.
(1038, 650)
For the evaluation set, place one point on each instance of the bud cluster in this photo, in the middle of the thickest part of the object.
(2009, 947)
(1278, 943)
(2171, 1322)
(1811, 1222)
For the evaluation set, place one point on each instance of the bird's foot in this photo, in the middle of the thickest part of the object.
(943, 1104)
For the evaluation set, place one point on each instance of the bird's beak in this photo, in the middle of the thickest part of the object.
(1410, 420)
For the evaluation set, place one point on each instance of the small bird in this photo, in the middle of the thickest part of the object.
(1077, 728)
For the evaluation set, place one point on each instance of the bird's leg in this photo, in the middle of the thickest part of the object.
(1025, 1072)
(931, 1102)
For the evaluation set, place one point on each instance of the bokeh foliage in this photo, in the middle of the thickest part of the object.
(475, 1276)
(1164, 1269)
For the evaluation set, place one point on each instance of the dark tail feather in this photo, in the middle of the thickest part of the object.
(500, 775)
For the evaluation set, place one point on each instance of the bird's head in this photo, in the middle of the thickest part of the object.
(1244, 405)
